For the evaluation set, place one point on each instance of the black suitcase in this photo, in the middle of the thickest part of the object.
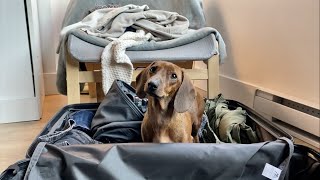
(163, 161)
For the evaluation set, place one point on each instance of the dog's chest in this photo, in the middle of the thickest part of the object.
(175, 129)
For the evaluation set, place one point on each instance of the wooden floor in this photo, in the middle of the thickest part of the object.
(15, 138)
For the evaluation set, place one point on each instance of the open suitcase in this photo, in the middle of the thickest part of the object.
(122, 156)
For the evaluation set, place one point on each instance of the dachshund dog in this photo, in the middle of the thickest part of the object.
(175, 108)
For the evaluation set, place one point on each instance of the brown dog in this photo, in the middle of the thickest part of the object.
(175, 108)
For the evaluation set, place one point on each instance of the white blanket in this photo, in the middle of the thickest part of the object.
(115, 63)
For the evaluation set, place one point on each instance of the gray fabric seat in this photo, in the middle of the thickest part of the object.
(199, 50)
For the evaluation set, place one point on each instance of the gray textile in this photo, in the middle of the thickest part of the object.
(191, 9)
(69, 135)
(159, 161)
(186, 52)
(112, 23)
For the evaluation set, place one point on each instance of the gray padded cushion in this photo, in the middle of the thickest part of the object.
(199, 50)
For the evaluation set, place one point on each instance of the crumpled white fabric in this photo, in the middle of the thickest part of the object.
(115, 63)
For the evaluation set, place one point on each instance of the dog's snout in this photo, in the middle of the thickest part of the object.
(152, 86)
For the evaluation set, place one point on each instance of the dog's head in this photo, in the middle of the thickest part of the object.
(165, 82)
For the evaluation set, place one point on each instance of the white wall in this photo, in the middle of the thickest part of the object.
(21, 82)
(51, 14)
(272, 45)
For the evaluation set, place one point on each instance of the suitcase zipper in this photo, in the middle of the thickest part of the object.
(130, 103)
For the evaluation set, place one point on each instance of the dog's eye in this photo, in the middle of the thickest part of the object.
(173, 76)
(153, 69)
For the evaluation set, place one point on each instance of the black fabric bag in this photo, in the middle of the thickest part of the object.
(118, 118)
(305, 164)
(16, 171)
(156, 161)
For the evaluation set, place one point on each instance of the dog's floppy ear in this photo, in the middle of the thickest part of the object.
(185, 96)
(141, 79)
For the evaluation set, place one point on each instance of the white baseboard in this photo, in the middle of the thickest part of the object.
(18, 110)
(50, 83)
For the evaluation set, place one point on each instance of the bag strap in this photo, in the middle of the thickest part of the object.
(285, 164)
(34, 158)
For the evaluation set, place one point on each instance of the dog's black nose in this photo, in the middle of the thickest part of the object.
(152, 86)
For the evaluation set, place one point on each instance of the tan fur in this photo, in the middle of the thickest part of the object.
(162, 123)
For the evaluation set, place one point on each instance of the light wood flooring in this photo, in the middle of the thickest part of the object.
(15, 138)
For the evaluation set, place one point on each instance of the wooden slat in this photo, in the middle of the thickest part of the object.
(73, 88)
(213, 74)
(95, 76)
(90, 76)
(197, 74)
(91, 85)
(100, 94)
